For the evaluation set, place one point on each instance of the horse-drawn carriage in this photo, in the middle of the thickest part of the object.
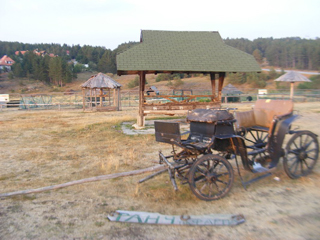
(218, 136)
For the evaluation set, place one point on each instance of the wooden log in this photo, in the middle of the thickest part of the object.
(213, 85)
(221, 80)
(85, 180)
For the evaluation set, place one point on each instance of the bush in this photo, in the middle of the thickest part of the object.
(257, 79)
(178, 83)
(237, 78)
(10, 75)
(162, 77)
(78, 68)
(315, 84)
(133, 83)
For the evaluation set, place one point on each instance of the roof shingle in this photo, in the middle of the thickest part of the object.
(183, 51)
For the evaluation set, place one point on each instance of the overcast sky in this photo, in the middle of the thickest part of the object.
(109, 23)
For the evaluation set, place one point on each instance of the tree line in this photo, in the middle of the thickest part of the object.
(98, 58)
(292, 52)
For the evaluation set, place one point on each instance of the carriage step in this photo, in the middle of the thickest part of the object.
(245, 184)
(257, 168)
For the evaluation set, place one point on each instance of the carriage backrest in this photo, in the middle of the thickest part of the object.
(266, 109)
(202, 129)
(263, 113)
(167, 132)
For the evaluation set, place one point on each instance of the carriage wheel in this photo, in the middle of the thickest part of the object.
(302, 154)
(211, 177)
(258, 139)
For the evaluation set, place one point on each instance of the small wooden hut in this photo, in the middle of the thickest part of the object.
(231, 94)
(101, 93)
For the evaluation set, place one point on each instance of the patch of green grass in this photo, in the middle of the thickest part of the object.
(99, 224)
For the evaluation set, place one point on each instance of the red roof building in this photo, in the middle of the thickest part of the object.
(6, 62)
(22, 52)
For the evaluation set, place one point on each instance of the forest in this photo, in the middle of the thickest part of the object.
(294, 53)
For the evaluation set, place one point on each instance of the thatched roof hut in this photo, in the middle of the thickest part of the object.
(96, 93)
(101, 81)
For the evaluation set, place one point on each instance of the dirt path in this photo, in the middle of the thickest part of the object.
(45, 148)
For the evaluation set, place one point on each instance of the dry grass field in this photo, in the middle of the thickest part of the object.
(44, 148)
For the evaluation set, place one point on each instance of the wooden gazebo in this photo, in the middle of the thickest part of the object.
(101, 93)
(182, 52)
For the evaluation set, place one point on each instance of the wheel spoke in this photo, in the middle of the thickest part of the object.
(312, 158)
(199, 179)
(307, 145)
(305, 140)
(208, 165)
(200, 171)
(265, 137)
(305, 163)
(294, 143)
(300, 138)
(294, 151)
(222, 174)
(296, 163)
(220, 181)
(258, 136)
(250, 141)
(203, 187)
(311, 150)
(253, 136)
(216, 185)
(210, 190)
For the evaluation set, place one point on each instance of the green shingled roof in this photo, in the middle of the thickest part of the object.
(182, 51)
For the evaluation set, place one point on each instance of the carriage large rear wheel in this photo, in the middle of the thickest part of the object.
(302, 153)
(211, 177)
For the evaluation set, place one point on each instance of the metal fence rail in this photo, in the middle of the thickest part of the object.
(130, 98)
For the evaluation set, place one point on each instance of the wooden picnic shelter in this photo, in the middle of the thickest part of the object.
(182, 52)
(101, 92)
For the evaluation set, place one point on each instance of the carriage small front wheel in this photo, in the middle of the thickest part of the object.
(302, 152)
(211, 177)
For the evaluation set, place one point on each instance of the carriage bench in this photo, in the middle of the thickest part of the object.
(260, 118)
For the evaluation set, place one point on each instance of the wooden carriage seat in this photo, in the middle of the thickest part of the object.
(262, 115)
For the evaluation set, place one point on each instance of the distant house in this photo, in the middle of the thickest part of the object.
(18, 52)
(37, 52)
(6, 63)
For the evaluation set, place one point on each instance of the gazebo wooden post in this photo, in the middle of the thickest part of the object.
(95, 97)
(90, 99)
(140, 120)
(221, 79)
(109, 97)
(83, 99)
(101, 93)
(213, 85)
(118, 99)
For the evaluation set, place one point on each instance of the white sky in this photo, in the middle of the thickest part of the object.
(109, 23)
